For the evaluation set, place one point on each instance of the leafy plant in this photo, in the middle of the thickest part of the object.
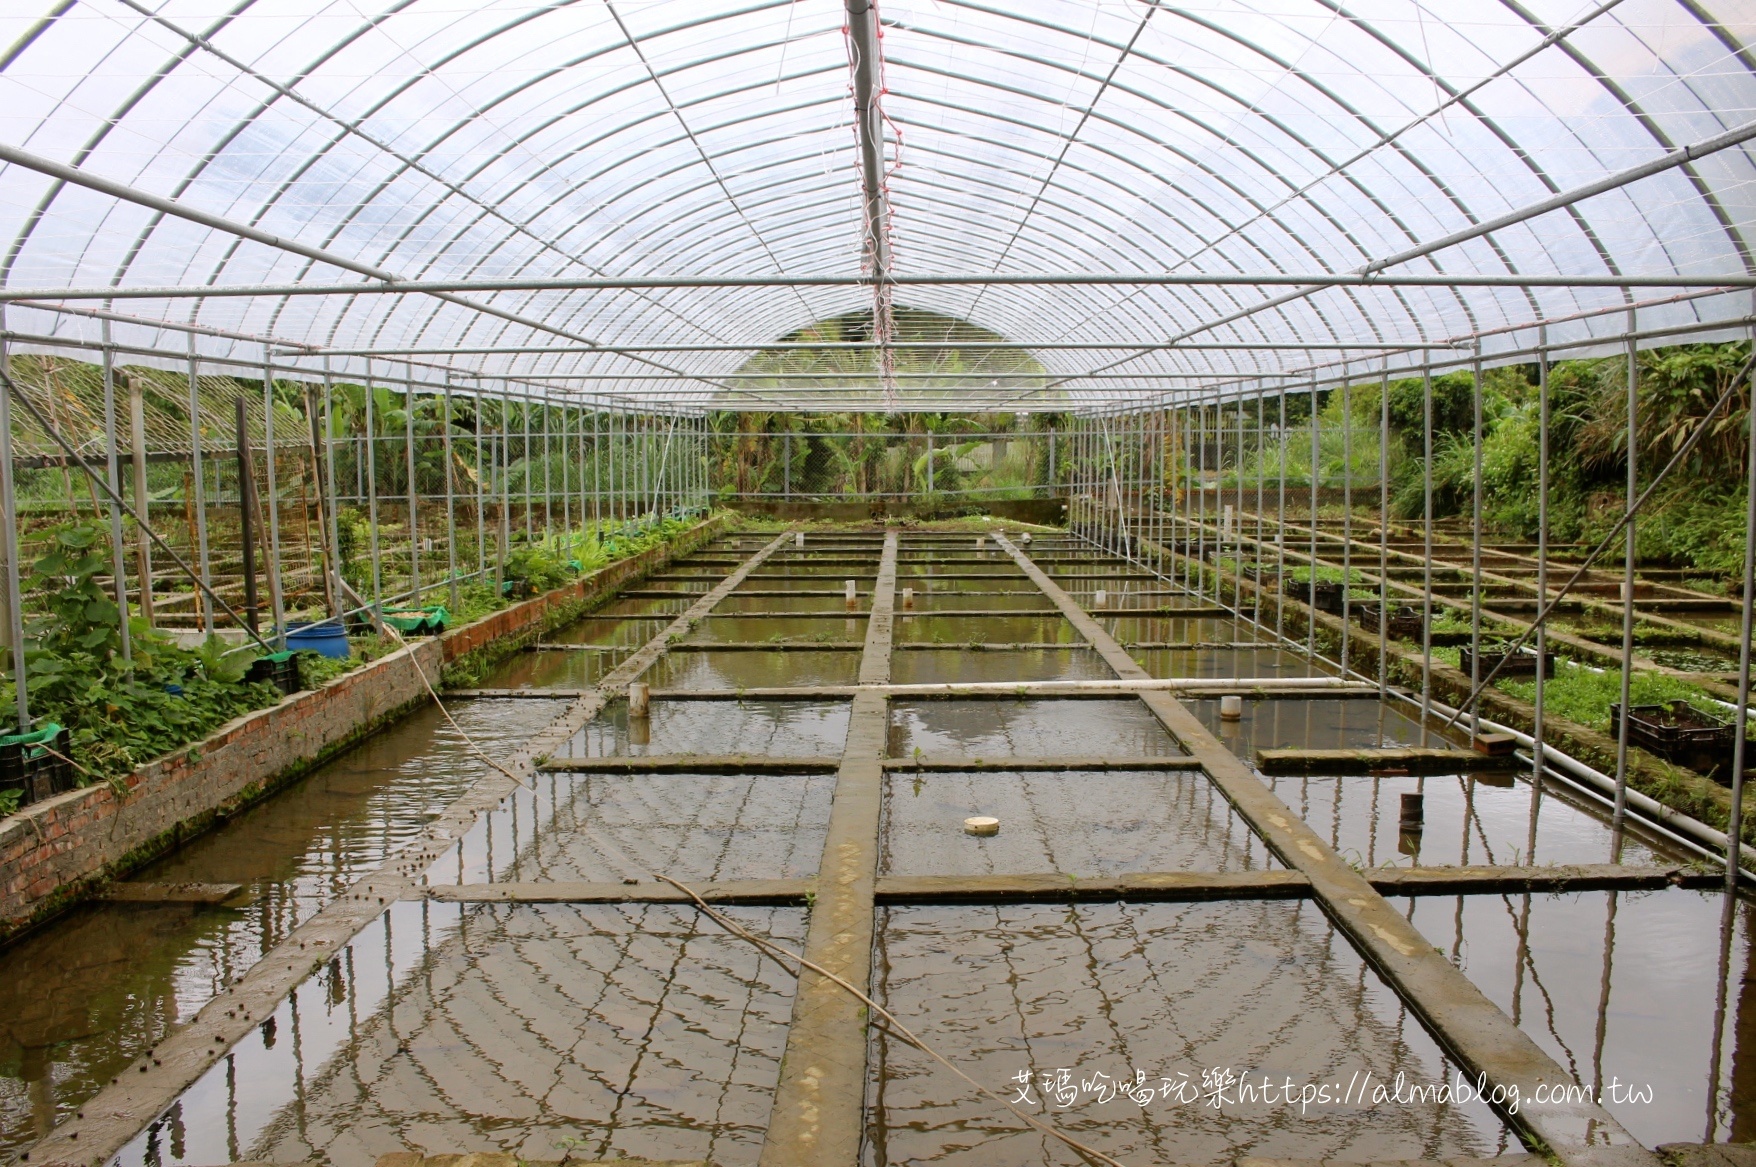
(120, 712)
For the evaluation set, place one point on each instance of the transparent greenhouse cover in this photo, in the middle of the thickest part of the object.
(473, 139)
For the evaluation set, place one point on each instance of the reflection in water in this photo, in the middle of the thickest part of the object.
(543, 1031)
(1623, 986)
(754, 669)
(123, 974)
(1258, 987)
(596, 1031)
(992, 729)
(1049, 628)
(941, 665)
(614, 827)
(796, 728)
(1076, 824)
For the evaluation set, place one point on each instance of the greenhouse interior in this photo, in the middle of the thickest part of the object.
(871, 583)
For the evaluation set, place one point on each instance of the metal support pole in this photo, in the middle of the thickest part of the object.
(276, 594)
(452, 596)
(1261, 502)
(339, 601)
(481, 477)
(1628, 556)
(505, 477)
(112, 475)
(1475, 597)
(200, 488)
(1347, 512)
(142, 498)
(372, 500)
(1280, 530)
(1539, 754)
(1426, 544)
(548, 483)
(1741, 717)
(1316, 463)
(530, 529)
(566, 487)
(319, 441)
(1384, 534)
(10, 546)
(1201, 486)
(246, 528)
(414, 499)
(597, 484)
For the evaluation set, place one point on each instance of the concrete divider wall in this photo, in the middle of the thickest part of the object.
(64, 849)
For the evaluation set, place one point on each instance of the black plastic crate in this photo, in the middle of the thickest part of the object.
(1680, 733)
(1521, 665)
(38, 767)
(279, 669)
(1403, 623)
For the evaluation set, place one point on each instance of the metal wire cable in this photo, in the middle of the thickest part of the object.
(784, 954)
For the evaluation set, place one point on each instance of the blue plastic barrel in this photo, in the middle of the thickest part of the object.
(325, 637)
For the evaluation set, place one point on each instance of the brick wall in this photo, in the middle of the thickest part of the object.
(64, 849)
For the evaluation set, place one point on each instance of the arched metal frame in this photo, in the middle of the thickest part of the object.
(589, 139)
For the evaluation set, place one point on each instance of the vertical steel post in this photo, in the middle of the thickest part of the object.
(1475, 559)
(1426, 544)
(1261, 503)
(372, 500)
(1201, 487)
(1741, 716)
(200, 488)
(1539, 754)
(10, 545)
(414, 501)
(1316, 465)
(112, 472)
(1384, 534)
(506, 476)
(566, 486)
(1280, 528)
(142, 497)
(530, 529)
(548, 482)
(276, 594)
(597, 482)
(334, 517)
(481, 476)
(450, 499)
(1347, 511)
(246, 525)
(1620, 810)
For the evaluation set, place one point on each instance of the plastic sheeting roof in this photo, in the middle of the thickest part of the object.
(454, 139)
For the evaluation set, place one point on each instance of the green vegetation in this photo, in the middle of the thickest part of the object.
(1695, 520)
(120, 713)
(831, 455)
(1584, 695)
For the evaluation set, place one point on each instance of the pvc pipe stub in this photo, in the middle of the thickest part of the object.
(1025, 539)
(1101, 598)
(982, 825)
(639, 699)
(908, 597)
(799, 539)
(1413, 812)
(1231, 707)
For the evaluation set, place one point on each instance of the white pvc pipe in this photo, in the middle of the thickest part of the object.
(1118, 685)
(1698, 831)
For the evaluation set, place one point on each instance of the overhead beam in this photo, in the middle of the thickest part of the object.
(1021, 346)
(1372, 270)
(1304, 283)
